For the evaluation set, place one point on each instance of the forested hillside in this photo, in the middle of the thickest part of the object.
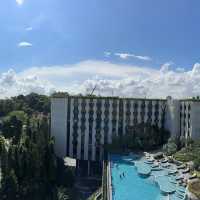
(30, 169)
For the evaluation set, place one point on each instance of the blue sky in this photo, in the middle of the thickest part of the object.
(144, 33)
(69, 31)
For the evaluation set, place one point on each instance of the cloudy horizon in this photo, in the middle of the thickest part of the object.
(110, 78)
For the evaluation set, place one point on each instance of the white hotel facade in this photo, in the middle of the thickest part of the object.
(81, 125)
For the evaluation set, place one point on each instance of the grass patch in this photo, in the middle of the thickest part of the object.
(197, 173)
(185, 156)
(194, 188)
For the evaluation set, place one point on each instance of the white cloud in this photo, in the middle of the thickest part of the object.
(128, 55)
(117, 79)
(29, 28)
(12, 84)
(165, 67)
(24, 44)
(107, 53)
(180, 69)
(19, 2)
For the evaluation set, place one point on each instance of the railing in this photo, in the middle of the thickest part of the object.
(109, 182)
(96, 195)
(104, 180)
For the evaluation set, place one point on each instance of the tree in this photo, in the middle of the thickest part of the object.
(12, 127)
(28, 161)
(9, 186)
(171, 147)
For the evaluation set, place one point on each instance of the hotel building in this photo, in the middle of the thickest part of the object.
(81, 125)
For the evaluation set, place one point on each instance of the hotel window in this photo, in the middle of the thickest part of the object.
(128, 120)
(114, 104)
(114, 113)
(135, 105)
(90, 153)
(106, 120)
(75, 112)
(75, 102)
(135, 121)
(106, 113)
(149, 114)
(143, 106)
(156, 113)
(156, 121)
(91, 104)
(106, 134)
(150, 106)
(91, 112)
(97, 153)
(107, 104)
(82, 153)
(98, 137)
(90, 135)
(135, 113)
(75, 148)
(113, 129)
(156, 106)
(83, 104)
(128, 113)
(128, 105)
(98, 104)
(121, 107)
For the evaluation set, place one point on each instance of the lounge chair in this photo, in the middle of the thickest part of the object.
(166, 165)
(186, 171)
(192, 176)
(155, 165)
(181, 189)
(164, 160)
(173, 181)
(172, 172)
(181, 167)
(182, 196)
(179, 178)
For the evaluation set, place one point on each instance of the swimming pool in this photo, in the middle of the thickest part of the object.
(127, 184)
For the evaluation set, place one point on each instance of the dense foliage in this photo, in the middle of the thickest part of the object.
(142, 136)
(30, 104)
(190, 151)
(30, 168)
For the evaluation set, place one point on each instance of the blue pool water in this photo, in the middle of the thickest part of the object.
(133, 186)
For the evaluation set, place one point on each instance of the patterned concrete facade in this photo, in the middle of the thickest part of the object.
(82, 125)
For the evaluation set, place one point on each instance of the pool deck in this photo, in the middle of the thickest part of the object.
(148, 167)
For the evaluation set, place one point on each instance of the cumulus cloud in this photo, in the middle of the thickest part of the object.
(24, 44)
(180, 69)
(128, 55)
(12, 84)
(165, 67)
(110, 79)
(19, 2)
(107, 53)
(29, 28)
